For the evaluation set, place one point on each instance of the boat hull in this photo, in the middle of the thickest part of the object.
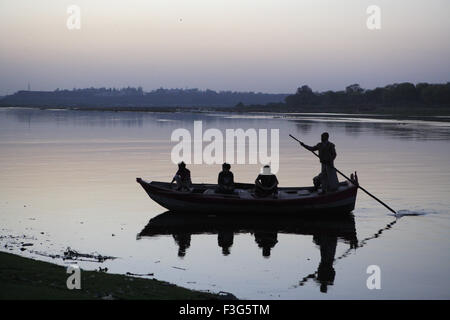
(198, 201)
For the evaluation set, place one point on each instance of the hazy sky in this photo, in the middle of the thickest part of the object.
(245, 45)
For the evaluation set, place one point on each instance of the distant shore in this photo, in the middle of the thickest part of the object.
(396, 99)
(24, 278)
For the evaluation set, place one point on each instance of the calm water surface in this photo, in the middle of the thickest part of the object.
(67, 179)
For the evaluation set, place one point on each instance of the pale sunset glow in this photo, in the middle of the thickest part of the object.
(269, 46)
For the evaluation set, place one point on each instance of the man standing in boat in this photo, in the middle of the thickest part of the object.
(182, 178)
(327, 153)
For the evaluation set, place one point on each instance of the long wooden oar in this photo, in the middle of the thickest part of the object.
(384, 204)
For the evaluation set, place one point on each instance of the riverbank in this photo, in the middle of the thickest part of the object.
(23, 278)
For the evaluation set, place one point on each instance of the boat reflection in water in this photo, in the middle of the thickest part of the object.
(326, 232)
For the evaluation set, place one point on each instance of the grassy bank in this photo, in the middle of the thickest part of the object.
(23, 278)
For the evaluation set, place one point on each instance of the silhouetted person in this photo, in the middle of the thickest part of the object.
(225, 180)
(225, 241)
(182, 178)
(266, 241)
(326, 272)
(327, 178)
(266, 183)
(184, 241)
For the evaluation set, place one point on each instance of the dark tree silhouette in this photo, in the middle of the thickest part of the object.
(393, 94)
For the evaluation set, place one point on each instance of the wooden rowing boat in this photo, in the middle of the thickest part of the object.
(293, 200)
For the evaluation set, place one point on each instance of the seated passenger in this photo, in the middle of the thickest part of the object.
(266, 183)
(182, 178)
(225, 180)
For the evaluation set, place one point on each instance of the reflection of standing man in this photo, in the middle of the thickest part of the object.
(325, 272)
(327, 153)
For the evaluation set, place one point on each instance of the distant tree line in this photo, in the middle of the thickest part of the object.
(136, 97)
(393, 94)
(399, 94)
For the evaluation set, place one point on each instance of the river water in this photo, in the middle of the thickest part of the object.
(67, 179)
